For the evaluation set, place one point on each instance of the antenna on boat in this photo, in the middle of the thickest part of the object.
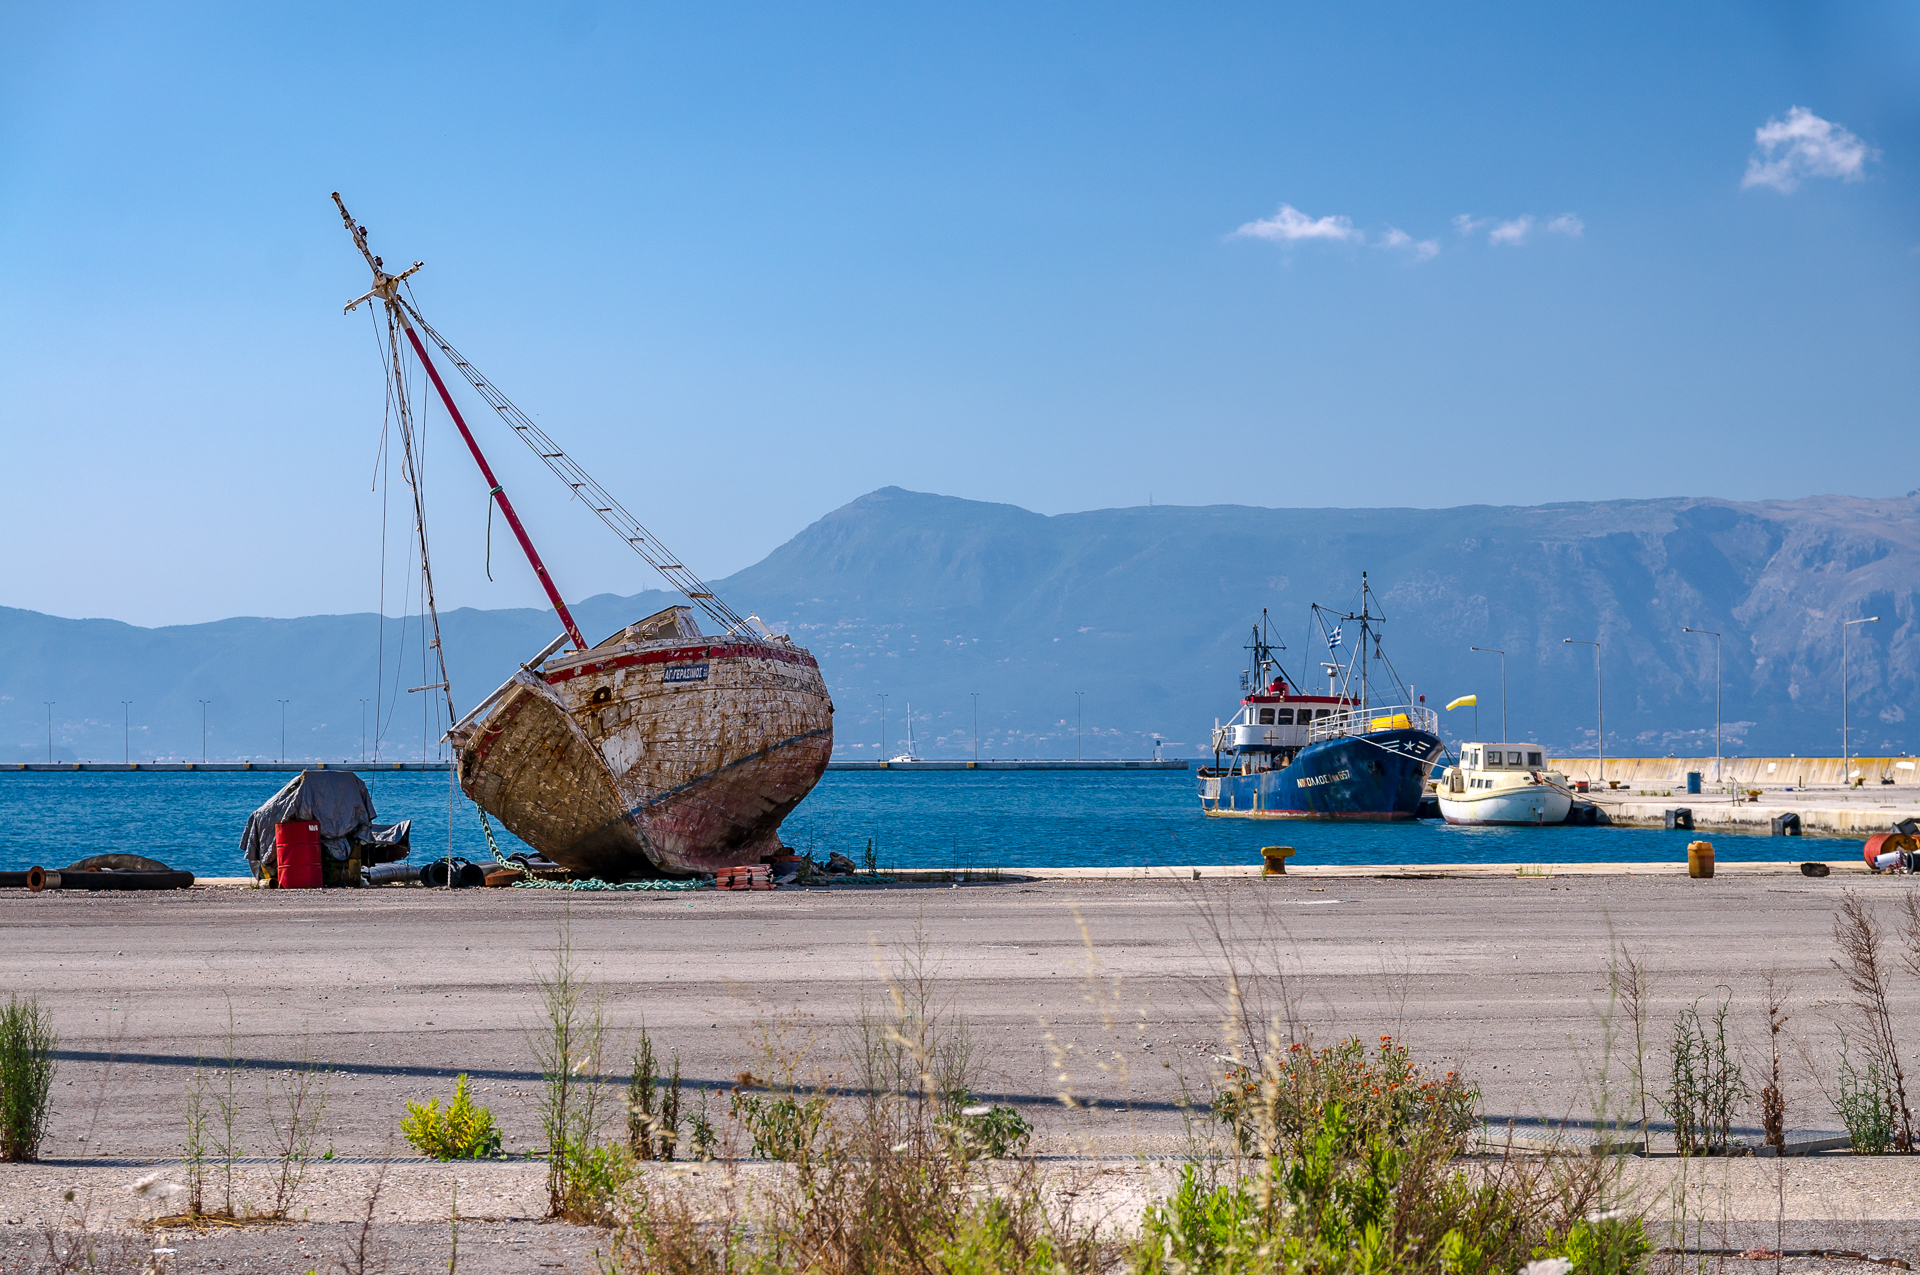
(580, 483)
(1262, 645)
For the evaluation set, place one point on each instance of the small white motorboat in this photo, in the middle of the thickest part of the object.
(1502, 784)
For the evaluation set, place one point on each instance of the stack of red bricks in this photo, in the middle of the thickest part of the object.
(746, 876)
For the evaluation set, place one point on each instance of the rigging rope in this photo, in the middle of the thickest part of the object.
(582, 484)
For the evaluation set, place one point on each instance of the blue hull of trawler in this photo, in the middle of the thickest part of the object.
(1378, 776)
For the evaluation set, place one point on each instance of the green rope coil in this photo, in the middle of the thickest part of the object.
(654, 883)
(658, 883)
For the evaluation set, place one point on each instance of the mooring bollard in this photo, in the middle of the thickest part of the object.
(1700, 859)
(1273, 860)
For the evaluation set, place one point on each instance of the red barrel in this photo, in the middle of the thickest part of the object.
(1884, 844)
(296, 852)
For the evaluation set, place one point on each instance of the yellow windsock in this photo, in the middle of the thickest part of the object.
(1465, 701)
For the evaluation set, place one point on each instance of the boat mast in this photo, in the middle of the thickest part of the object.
(1365, 635)
(386, 289)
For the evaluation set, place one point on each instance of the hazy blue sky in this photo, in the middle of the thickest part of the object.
(749, 262)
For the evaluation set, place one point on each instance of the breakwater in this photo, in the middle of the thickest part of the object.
(1753, 792)
(1753, 772)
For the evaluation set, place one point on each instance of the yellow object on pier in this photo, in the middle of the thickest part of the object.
(1273, 860)
(1700, 859)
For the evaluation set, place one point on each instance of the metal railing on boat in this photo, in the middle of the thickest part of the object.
(1367, 721)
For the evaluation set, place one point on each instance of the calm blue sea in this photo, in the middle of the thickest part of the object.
(939, 819)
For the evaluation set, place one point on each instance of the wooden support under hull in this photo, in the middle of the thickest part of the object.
(658, 751)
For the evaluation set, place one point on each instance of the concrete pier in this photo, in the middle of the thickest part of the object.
(1748, 772)
(1638, 791)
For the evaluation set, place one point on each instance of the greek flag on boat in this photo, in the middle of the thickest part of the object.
(1333, 640)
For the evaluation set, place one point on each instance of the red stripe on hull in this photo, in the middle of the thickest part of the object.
(733, 651)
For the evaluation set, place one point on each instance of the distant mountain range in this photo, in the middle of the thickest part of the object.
(930, 599)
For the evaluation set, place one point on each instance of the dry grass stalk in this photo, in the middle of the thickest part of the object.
(1773, 1100)
(1910, 931)
(225, 1097)
(1631, 984)
(872, 1181)
(362, 1256)
(1863, 964)
(567, 1047)
(296, 1101)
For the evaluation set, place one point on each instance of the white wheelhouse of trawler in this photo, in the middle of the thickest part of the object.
(1502, 783)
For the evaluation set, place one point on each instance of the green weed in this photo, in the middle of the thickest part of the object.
(1863, 1105)
(1284, 1098)
(27, 1043)
(988, 1130)
(1705, 1088)
(465, 1131)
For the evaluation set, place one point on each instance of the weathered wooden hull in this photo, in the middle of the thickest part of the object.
(673, 756)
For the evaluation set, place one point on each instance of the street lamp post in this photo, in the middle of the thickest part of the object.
(283, 730)
(1845, 774)
(1503, 687)
(126, 731)
(976, 724)
(49, 703)
(1716, 696)
(203, 729)
(1599, 705)
(1077, 700)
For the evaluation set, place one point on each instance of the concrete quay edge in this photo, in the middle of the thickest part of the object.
(1324, 871)
(1417, 871)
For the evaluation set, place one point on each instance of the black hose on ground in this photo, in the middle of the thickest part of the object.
(463, 874)
(37, 879)
(392, 874)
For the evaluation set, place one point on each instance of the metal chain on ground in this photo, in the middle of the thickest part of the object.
(660, 883)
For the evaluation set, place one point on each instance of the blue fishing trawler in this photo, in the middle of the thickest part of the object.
(1348, 754)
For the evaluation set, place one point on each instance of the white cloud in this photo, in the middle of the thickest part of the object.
(1466, 225)
(1422, 249)
(1511, 232)
(1567, 224)
(1290, 224)
(1804, 145)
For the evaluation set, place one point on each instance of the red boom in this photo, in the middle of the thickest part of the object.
(493, 486)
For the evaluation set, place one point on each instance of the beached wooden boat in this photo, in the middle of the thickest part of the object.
(656, 749)
(660, 750)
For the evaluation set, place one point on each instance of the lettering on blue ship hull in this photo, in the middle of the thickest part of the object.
(1376, 776)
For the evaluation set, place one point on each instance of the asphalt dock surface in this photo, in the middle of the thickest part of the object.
(1111, 993)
